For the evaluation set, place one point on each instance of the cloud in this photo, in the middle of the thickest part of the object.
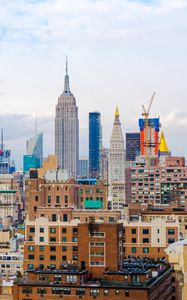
(119, 53)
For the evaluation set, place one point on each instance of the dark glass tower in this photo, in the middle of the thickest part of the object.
(95, 144)
(132, 146)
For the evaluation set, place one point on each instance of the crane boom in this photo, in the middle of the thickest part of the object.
(150, 103)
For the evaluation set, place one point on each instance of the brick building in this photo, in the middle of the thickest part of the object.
(157, 185)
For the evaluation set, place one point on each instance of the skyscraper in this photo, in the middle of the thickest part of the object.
(116, 166)
(132, 146)
(83, 167)
(34, 147)
(67, 130)
(95, 144)
(7, 165)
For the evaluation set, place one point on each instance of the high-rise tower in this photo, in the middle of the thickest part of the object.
(95, 144)
(116, 166)
(67, 130)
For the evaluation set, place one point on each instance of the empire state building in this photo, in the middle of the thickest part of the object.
(67, 130)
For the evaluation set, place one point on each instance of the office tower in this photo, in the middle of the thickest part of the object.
(95, 144)
(67, 130)
(132, 146)
(34, 147)
(83, 167)
(7, 166)
(30, 162)
(116, 166)
(149, 140)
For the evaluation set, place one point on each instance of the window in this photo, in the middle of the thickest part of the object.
(80, 291)
(106, 292)
(64, 258)
(127, 294)
(41, 239)
(145, 231)
(53, 239)
(66, 291)
(133, 240)
(65, 218)
(133, 249)
(71, 278)
(49, 199)
(41, 248)
(111, 219)
(117, 292)
(27, 290)
(41, 230)
(133, 230)
(63, 230)
(145, 241)
(97, 234)
(94, 292)
(64, 239)
(66, 199)
(30, 267)
(54, 218)
(30, 248)
(52, 230)
(171, 240)
(52, 248)
(41, 291)
(75, 230)
(64, 248)
(74, 239)
(41, 257)
(171, 231)
(30, 256)
(32, 229)
(53, 257)
(36, 198)
(75, 248)
(57, 199)
(145, 250)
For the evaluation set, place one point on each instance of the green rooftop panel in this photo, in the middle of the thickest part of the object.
(93, 204)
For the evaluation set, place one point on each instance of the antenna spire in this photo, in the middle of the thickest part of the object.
(66, 64)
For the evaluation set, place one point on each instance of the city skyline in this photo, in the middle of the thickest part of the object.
(121, 64)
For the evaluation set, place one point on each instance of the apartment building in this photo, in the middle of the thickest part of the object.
(155, 185)
(149, 239)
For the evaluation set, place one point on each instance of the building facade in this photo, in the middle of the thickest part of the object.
(95, 144)
(34, 148)
(158, 184)
(83, 167)
(67, 130)
(132, 146)
(116, 166)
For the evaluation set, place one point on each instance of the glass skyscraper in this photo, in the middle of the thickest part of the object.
(95, 144)
(35, 148)
(132, 146)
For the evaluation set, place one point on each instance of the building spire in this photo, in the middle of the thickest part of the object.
(117, 112)
(66, 64)
(66, 81)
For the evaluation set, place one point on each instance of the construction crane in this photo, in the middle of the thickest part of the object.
(145, 114)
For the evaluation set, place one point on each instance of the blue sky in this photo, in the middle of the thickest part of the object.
(119, 53)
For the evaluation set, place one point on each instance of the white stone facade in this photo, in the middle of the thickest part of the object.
(116, 166)
(67, 131)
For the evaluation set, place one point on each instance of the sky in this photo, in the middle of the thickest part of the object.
(119, 53)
